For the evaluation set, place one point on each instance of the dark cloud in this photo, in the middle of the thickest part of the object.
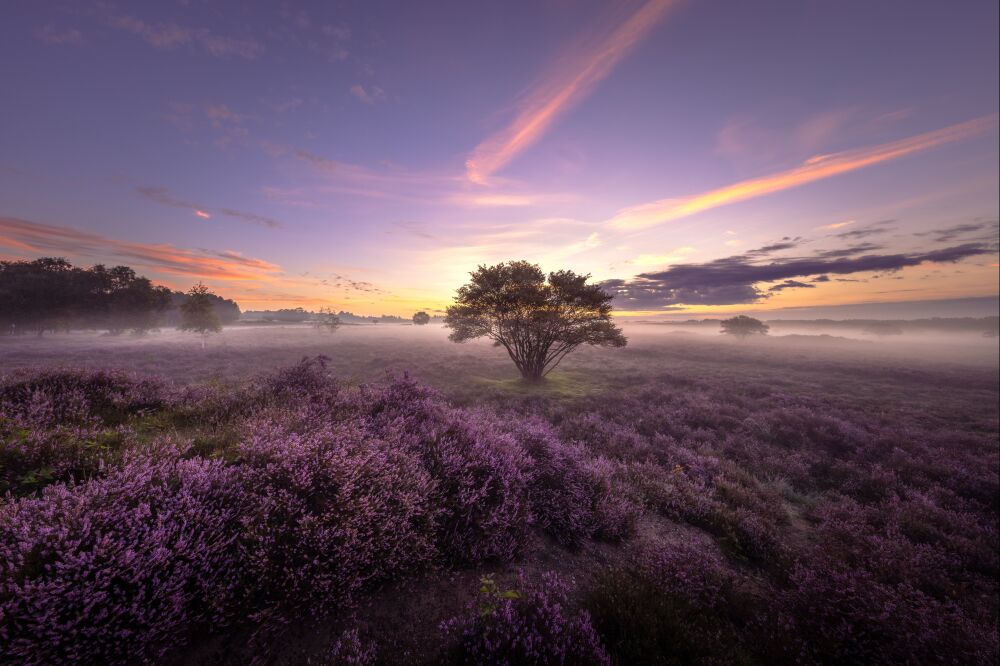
(732, 280)
(821, 278)
(987, 230)
(160, 195)
(251, 217)
(873, 229)
(786, 243)
(791, 284)
(849, 251)
(643, 294)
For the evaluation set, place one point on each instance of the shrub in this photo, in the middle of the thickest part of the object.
(672, 602)
(531, 625)
(329, 510)
(479, 470)
(561, 489)
(121, 568)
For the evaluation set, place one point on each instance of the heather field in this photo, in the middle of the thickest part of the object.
(381, 495)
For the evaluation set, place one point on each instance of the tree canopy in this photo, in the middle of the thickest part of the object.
(197, 313)
(743, 326)
(421, 318)
(50, 294)
(537, 321)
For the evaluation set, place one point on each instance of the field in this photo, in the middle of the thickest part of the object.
(380, 495)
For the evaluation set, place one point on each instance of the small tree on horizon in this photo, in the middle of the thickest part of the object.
(421, 318)
(537, 321)
(742, 327)
(197, 313)
(326, 320)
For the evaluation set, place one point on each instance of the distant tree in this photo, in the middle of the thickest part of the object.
(882, 328)
(421, 318)
(197, 313)
(225, 309)
(538, 322)
(743, 326)
(326, 320)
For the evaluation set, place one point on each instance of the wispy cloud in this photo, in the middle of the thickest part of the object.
(813, 169)
(744, 141)
(50, 34)
(873, 229)
(161, 257)
(163, 197)
(170, 35)
(251, 217)
(370, 95)
(837, 225)
(981, 230)
(567, 85)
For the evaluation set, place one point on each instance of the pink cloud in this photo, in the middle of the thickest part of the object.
(572, 81)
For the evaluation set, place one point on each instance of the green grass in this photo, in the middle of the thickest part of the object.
(556, 385)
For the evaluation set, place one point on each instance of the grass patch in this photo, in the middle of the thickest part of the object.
(556, 385)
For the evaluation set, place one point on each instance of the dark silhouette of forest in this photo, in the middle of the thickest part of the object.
(52, 295)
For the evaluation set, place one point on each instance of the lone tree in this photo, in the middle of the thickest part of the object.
(538, 322)
(326, 320)
(421, 318)
(743, 326)
(197, 313)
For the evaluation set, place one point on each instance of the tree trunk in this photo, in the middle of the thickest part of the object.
(532, 376)
(533, 372)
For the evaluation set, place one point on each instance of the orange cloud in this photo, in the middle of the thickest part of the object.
(554, 95)
(46, 239)
(813, 169)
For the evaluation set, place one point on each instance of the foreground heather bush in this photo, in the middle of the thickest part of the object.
(121, 568)
(480, 471)
(562, 491)
(528, 625)
(672, 602)
(327, 510)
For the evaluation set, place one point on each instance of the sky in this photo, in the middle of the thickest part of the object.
(697, 157)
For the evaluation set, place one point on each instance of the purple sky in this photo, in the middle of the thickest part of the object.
(700, 156)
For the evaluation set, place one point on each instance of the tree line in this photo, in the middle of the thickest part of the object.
(52, 295)
(300, 315)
